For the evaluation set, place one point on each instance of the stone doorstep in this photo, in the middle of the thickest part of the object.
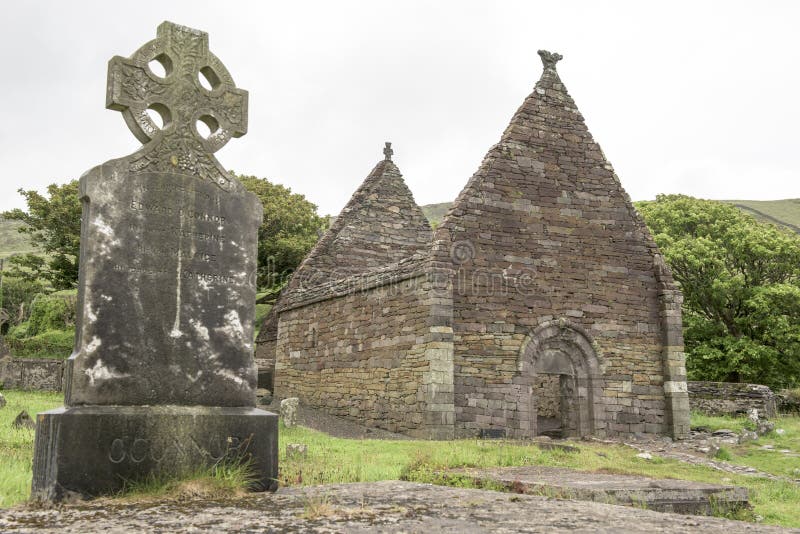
(661, 495)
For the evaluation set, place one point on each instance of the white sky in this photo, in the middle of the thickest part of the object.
(692, 97)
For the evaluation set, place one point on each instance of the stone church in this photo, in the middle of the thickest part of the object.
(539, 306)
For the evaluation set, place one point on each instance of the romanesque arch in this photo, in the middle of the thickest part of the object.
(560, 364)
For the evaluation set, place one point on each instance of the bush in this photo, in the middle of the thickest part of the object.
(15, 298)
(53, 344)
(51, 312)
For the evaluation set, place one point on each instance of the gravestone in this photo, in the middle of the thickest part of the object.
(162, 378)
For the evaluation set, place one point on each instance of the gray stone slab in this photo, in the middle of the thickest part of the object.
(663, 495)
(94, 450)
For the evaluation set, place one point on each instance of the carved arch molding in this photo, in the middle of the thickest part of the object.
(563, 348)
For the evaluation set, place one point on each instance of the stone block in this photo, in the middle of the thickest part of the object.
(134, 442)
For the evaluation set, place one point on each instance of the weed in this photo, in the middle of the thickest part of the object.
(724, 455)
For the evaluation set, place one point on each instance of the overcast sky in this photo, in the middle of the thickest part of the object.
(701, 98)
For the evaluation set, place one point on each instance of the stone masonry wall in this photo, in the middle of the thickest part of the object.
(31, 374)
(265, 349)
(728, 398)
(544, 232)
(373, 355)
(548, 395)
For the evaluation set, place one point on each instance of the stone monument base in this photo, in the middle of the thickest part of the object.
(94, 450)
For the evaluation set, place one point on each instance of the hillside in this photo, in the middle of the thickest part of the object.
(11, 241)
(784, 213)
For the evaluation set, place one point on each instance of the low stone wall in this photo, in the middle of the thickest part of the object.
(32, 374)
(730, 398)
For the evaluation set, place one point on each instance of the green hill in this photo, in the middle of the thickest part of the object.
(781, 212)
(436, 212)
(784, 213)
(11, 241)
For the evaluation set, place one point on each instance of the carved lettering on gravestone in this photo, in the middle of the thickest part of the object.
(169, 238)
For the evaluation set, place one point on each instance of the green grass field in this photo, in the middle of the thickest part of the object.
(11, 241)
(782, 212)
(332, 460)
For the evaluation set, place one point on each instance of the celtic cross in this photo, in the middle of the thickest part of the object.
(179, 97)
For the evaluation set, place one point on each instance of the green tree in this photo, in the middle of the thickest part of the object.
(291, 226)
(741, 284)
(53, 223)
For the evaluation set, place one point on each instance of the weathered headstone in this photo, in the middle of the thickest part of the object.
(23, 420)
(289, 411)
(162, 377)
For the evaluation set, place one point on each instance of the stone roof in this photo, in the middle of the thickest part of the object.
(379, 226)
(547, 168)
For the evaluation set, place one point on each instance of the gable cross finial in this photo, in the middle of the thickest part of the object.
(549, 59)
(387, 151)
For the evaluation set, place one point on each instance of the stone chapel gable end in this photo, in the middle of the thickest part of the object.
(565, 317)
(355, 330)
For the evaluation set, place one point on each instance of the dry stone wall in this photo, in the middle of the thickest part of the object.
(729, 398)
(31, 374)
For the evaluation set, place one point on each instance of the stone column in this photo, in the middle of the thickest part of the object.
(676, 396)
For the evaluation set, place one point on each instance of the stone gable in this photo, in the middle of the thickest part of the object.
(380, 225)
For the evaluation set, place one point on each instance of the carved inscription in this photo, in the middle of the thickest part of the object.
(174, 229)
(137, 450)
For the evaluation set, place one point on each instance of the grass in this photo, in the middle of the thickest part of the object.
(12, 241)
(16, 445)
(224, 480)
(782, 212)
(334, 460)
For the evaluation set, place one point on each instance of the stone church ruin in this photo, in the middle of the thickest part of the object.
(540, 305)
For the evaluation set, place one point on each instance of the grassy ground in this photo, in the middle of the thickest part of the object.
(768, 453)
(338, 460)
(333, 460)
(16, 445)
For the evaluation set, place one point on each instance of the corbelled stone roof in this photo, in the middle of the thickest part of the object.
(546, 177)
(379, 226)
(377, 231)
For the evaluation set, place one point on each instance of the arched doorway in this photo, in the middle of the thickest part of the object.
(560, 365)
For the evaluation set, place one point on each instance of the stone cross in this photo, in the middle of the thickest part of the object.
(180, 99)
(387, 151)
(162, 377)
(549, 59)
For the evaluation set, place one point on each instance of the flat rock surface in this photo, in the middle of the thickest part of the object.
(389, 506)
(569, 478)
